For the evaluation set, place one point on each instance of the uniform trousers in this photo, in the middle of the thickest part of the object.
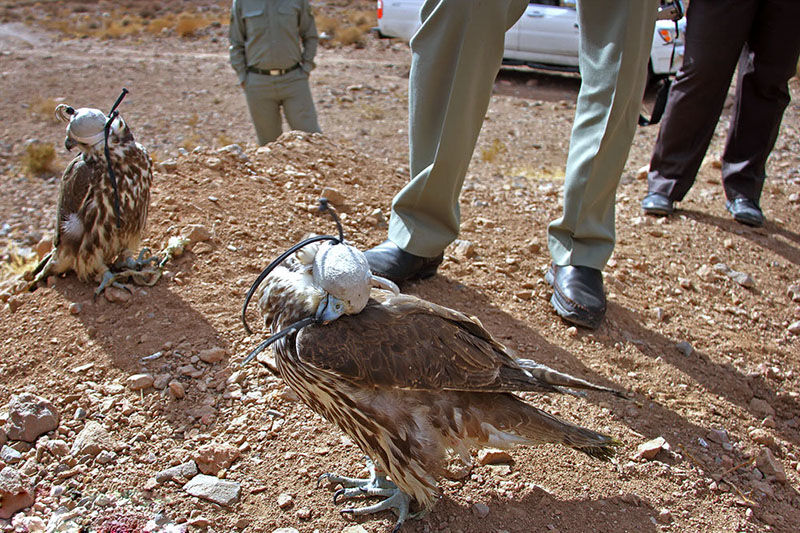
(456, 55)
(266, 95)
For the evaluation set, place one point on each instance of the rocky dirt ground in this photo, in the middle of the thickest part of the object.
(702, 327)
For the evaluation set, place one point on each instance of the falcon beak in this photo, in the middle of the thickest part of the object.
(329, 309)
(69, 143)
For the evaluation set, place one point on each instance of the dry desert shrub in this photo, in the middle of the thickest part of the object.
(188, 24)
(489, 155)
(16, 261)
(37, 159)
(43, 108)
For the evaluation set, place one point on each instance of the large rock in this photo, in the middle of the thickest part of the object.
(15, 494)
(213, 457)
(92, 440)
(214, 489)
(29, 417)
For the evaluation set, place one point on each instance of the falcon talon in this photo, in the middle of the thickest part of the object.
(336, 495)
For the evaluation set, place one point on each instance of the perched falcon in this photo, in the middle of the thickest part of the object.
(91, 237)
(409, 381)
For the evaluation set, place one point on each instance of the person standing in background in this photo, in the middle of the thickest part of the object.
(762, 37)
(272, 49)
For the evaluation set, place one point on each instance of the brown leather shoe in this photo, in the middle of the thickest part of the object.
(389, 261)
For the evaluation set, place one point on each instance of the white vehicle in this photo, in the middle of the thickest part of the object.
(546, 36)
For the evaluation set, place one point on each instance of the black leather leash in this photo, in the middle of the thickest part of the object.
(106, 130)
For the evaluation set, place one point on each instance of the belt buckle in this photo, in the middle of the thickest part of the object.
(275, 72)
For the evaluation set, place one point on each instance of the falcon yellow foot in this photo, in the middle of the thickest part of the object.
(376, 485)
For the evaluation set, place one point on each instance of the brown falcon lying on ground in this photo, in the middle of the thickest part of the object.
(89, 237)
(409, 381)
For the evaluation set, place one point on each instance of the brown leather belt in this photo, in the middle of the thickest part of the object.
(273, 71)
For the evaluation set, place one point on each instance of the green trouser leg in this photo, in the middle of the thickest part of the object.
(456, 55)
(615, 41)
(266, 95)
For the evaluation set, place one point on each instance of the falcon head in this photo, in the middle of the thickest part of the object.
(342, 271)
(86, 130)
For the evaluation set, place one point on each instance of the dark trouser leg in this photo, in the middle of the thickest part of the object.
(762, 94)
(715, 33)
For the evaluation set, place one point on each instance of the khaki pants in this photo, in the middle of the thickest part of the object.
(455, 57)
(267, 94)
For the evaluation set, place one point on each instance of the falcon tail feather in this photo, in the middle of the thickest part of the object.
(562, 381)
(546, 427)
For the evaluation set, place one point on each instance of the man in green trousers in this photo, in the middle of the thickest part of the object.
(456, 55)
(272, 49)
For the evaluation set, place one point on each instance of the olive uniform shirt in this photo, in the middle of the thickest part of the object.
(267, 34)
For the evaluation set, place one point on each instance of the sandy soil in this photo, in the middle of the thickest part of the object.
(738, 381)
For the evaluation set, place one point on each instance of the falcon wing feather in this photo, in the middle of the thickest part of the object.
(75, 183)
(405, 342)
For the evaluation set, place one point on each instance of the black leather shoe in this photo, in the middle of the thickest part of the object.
(578, 295)
(657, 204)
(745, 211)
(389, 261)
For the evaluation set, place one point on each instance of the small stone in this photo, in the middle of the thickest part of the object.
(75, 308)
(140, 381)
(15, 494)
(285, 500)
(685, 348)
(491, 456)
(214, 163)
(105, 457)
(29, 417)
(200, 522)
(352, 529)
(463, 249)
(794, 328)
(770, 466)
(214, 489)
(170, 165)
(15, 302)
(481, 510)
(304, 513)
(761, 407)
(213, 457)
(116, 295)
(762, 437)
(664, 516)
(176, 389)
(57, 447)
(9, 455)
(334, 196)
(212, 355)
(720, 436)
(641, 174)
(572, 331)
(91, 440)
(185, 470)
(648, 450)
(195, 233)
